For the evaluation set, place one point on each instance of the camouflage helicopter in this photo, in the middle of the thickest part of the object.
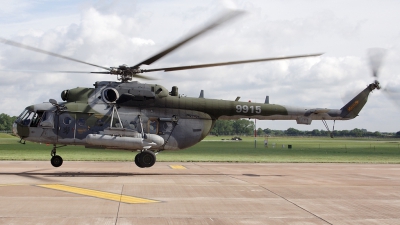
(148, 118)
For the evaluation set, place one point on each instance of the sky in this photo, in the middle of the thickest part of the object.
(111, 33)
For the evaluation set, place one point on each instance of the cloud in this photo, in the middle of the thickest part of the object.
(112, 33)
(141, 41)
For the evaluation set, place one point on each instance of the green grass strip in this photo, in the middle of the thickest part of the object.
(214, 149)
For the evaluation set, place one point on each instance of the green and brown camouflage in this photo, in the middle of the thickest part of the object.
(150, 109)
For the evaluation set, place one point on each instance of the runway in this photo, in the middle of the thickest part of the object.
(198, 193)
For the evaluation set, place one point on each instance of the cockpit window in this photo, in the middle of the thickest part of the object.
(34, 119)
(19, 118)
(25, 118)
(22, 114)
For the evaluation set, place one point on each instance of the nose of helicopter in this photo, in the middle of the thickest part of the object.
(14, 129)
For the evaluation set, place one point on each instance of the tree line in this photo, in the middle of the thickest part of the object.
(233, 127)
(323, 133)
(6, 122)
(246, 127)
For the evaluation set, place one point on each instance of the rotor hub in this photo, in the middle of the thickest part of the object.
(375, 85)
(125, 73)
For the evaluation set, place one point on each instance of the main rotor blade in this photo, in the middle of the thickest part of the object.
(49, 71)
(19, 45)
(222, 19)
(135, 75)
(227, 63)
(57, 71)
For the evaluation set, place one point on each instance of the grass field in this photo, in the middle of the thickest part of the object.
(213, 149)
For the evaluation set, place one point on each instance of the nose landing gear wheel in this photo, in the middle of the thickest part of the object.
(56, 161)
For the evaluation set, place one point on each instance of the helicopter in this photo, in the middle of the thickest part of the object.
(148, 118)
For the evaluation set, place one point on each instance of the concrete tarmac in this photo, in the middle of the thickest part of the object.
(198, 193)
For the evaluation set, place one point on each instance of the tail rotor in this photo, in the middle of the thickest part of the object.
(376, 58)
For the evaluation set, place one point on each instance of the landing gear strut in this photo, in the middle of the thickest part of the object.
(20, 141)
(56, 160)
(327, 127)
(145, 159)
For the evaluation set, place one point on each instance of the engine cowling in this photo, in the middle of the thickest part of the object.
(78, 94)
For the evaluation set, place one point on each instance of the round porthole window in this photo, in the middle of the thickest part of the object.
(81, 122)
(67, 120)
(132, 125)
(167, 126)
(99, 123)
(153, 126)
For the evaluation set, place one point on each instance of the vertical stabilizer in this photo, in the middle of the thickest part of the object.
(353, 107)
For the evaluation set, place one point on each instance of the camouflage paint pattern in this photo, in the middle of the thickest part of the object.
(180, 121)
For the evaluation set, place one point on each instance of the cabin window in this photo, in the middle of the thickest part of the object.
(167, 126)
(153, 126)
(81, 122)
(67, 120)
(132, 125)
(47, 120)
(99, 123)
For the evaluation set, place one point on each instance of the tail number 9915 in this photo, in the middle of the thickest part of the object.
(246, 109)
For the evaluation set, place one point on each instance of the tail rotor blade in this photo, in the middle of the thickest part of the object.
(376, 56)
(393, 94)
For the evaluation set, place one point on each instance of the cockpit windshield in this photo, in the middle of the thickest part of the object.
(25, 117)
(34, 119)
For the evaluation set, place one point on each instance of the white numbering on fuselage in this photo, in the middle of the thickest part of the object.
(248, 109)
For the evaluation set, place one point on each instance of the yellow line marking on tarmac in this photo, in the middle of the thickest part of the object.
(5, 185)
(98, 194)
(177, 167)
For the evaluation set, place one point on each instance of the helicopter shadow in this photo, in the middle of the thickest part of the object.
(36, 174)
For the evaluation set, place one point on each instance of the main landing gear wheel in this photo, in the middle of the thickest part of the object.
(145, 159)
(56, 161)
(137, 162)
